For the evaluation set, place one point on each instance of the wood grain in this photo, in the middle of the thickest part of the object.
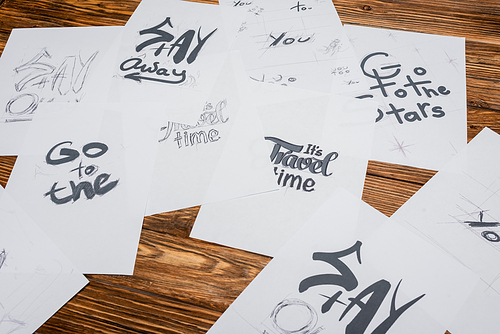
(182, 285)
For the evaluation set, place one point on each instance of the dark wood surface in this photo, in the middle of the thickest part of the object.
(182, 285)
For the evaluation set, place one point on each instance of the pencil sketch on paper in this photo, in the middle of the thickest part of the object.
(479, 221)
(190, 135)
(400, 147)
(8, 324)
(293, 316)
(3, 257)
(296, 315)
(332, 48)
(61, 154)
(276, 79)
(181, 52)
(44, 79)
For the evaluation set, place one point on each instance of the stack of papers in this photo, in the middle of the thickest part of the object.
(266, 114)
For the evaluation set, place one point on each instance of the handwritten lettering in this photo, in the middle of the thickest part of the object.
(420, 88)
(136, 64)
(289, 158)
(368, 301)
(300, 7)
(289, 40)
(185, 47)
(211, 115)
(61, 154)
(39, 76)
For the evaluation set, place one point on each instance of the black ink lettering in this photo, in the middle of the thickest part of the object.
(427, 92)
(90, 170)
(100, 147)
(437, 112)
(79, 169)
(192, 56)
(421, 107)
(394, 313)
(53, 196)
(309, 185)
(490, 236)
(419, 71)
(276, 40)
(396, 112)
(412, 116)
(328, 158)
(331, 300)
(124, 67)
(380, 115)
(401, 93)
(293, 179)
(415, 85)
(241, 3)
(304, 163)
(300, 7)
(360, 322)
(442, 90)
(280, 176)
(276, 156)
(163, 36)
(346, 279)
(182, 43)
(137, 77)
(89, 190)
(378, 77)
(77, 189)
(99, 182)
(69, 154)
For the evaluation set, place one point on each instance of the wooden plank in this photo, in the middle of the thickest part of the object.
(178, 223)
(6, 165)
(387, 195)
(454, 18)
(478, 118)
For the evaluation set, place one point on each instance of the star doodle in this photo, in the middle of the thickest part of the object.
(401, 147)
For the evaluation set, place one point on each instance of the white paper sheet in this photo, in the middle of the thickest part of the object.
(419, 82)
(36, 277)
(84, 175)
(299, 44)
(459, 210)
(171, 52)
(45, 65)
(350, 269)
(315, 144)
(220, 157)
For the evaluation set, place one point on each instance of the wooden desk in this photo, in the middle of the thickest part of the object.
(183, 285)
